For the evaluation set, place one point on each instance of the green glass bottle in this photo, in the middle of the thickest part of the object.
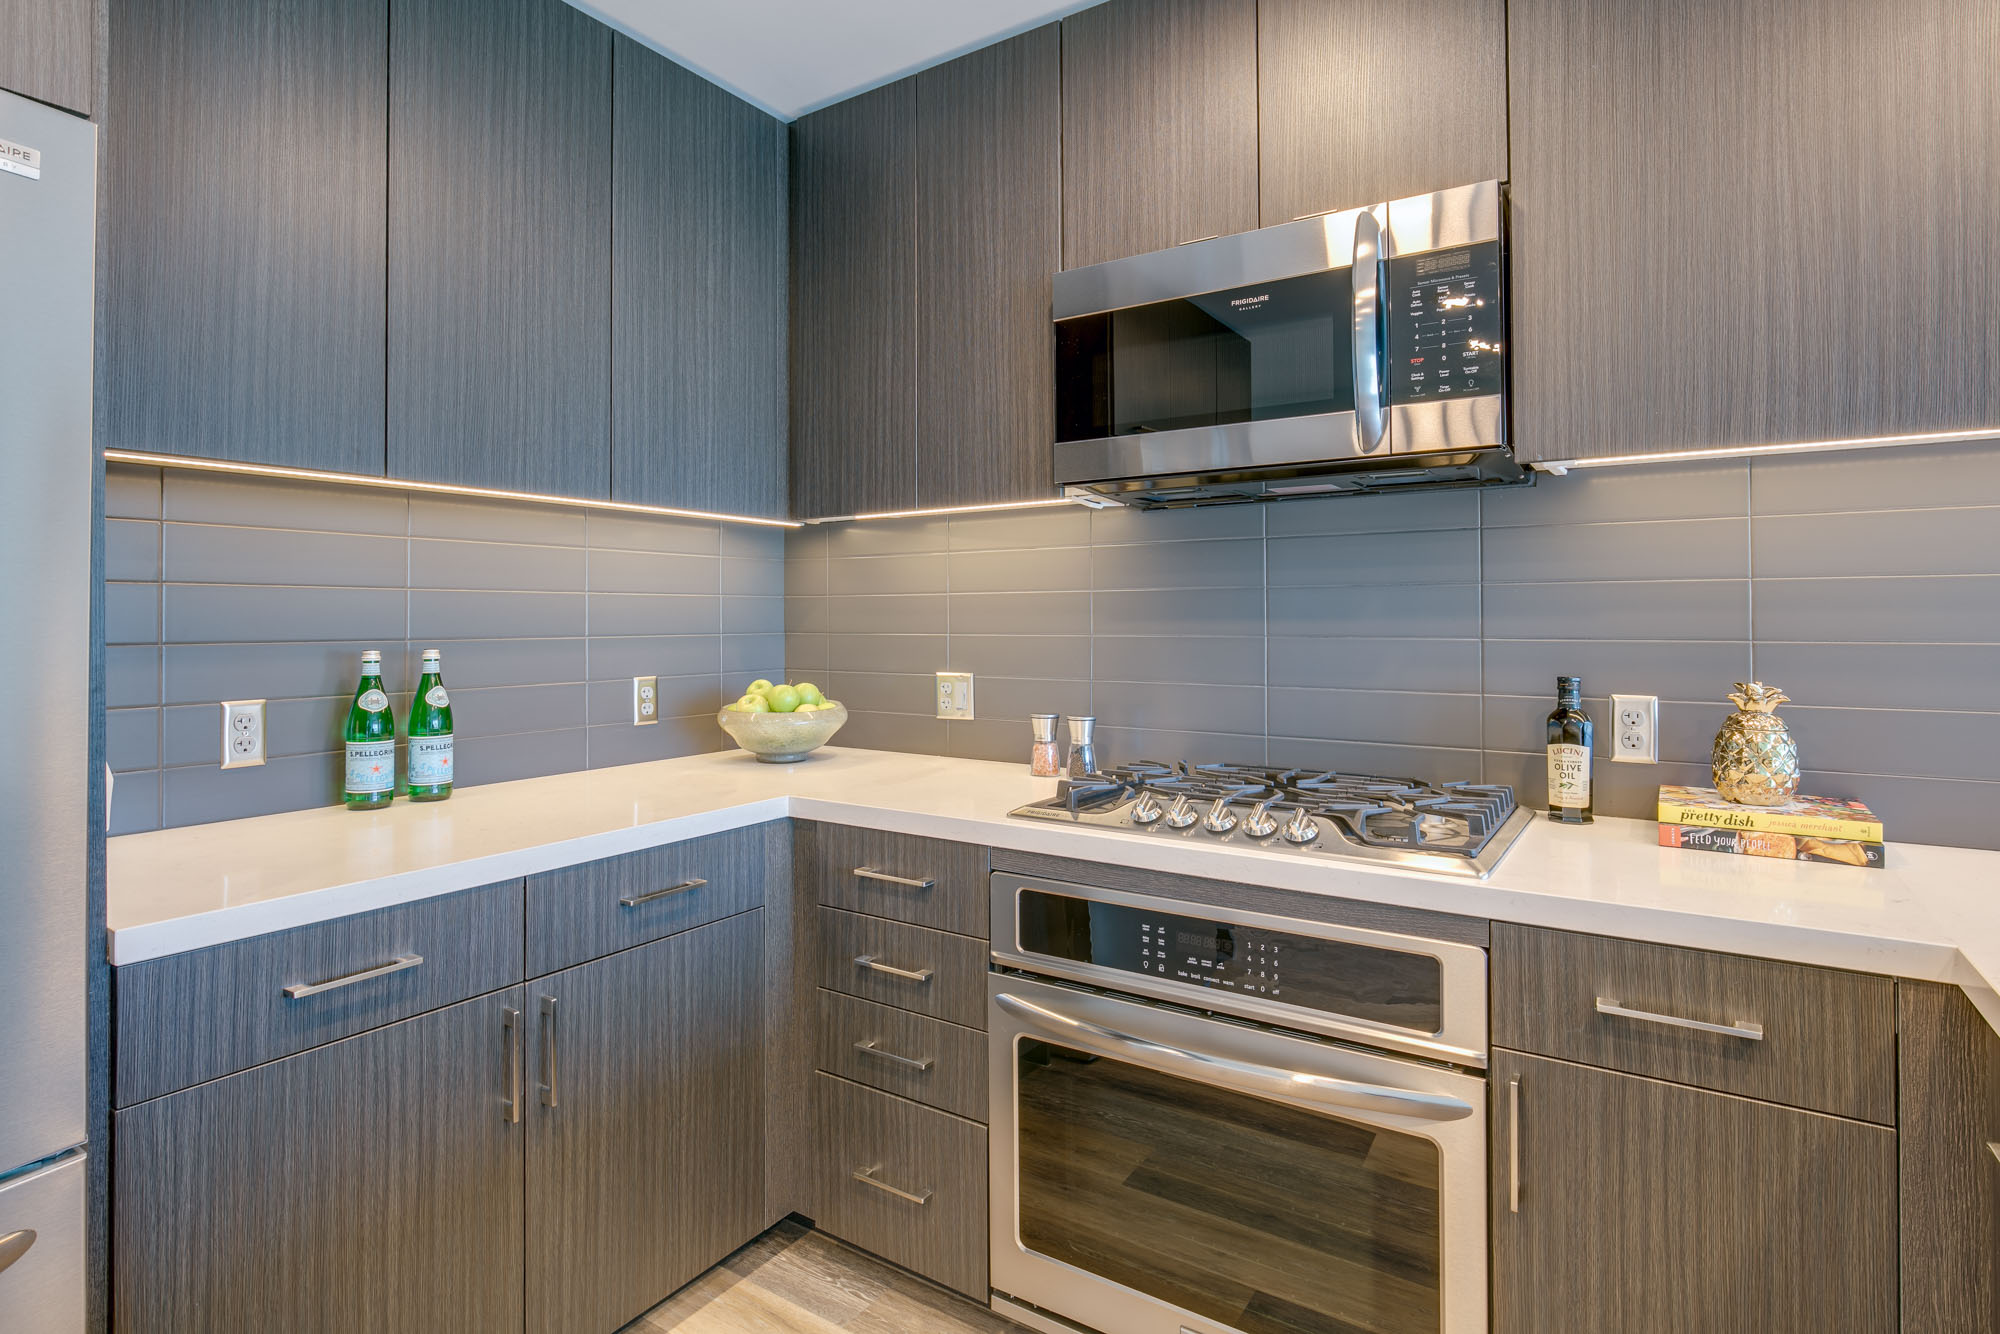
(430, 734)
(371, 740)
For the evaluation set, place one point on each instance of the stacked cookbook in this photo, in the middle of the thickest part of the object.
(1807, 829)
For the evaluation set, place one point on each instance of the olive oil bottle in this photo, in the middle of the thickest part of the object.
(1569, 754)
(370, 735)
(430, 734)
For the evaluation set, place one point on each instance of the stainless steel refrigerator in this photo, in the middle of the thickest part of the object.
(47, 203)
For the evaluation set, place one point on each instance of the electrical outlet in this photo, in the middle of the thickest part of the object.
(645, 700)
(954, 695)
(1635, 729)
(242, 733)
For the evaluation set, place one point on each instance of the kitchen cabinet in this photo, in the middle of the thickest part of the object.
(1950, 1150)
(989, 238)
(47, 51)
(1364, 100)
(1731, 228)
(371, 1184)
(698, 241)
(499, 318)
(645, 1123)
(1159, 139)
(244, 235)
(1652, 1208)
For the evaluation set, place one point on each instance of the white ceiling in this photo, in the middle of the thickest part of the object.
(794, 56)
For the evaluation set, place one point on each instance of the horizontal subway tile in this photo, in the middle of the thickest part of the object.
(747, 657)
(886, 574)
(1037, 570)
(1683, 671)
(680, 697)
(884, 537)
(1118, 524)
(806, 578)
(192, 733)
(1914, 477)
(1640, 609)
(1895, 741)
(1630, 791)
(753, 616)
(1355, 663)
(1415, 512)
(1375, 558)
(269, 502)
(886, 653)
(654, 614)
(436, 563)
(1389, 717)
(1054, 526)
(883, 692)
(664, 740)
(203, 794)
(464, 614)
(250, 613)
(885, 614)
(1180, 708)
(1708, 489)
(500, 759)
(653, 572)
(132, 738)
(201, 673)
(1065, 613)
(495, 520)
(1932, 541)
(498, 710)
(1222, 564)
(1057, 656)
(636, 532)
(1941, 610)
(131, 491)
(131, 549)
(1004, 740)
(614, 658)
(1015, 698)
(1430, 764)
(807, 652)
(806, 543)
(1179, 660)
(471, 663)
(1918, 810)
(196, 553)
(1122, 745)
(1440, 611)
(131, 613)
(762, 576)
(1680, 549)
(1174, 612)
(1687, 730)
(1881, 676)
(808, 615)
(749, 541)
(135, 802)
(903, 732)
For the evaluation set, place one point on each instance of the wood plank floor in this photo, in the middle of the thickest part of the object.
(793, 1280)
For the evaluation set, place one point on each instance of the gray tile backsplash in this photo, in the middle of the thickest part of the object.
(222, 587)
(1421, 633)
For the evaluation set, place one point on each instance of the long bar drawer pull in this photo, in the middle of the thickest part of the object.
(1741, 1029)
(874, 965)
(634, 900)
(1514, 1145)
(300, 990)
(873, 1049)
(549, 1034)
(870, 873)
(866, 1176)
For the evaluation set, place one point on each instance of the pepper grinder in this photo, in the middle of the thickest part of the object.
(1082, 748)
(1042, 757)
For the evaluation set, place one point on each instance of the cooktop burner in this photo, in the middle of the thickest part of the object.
(1456, 828)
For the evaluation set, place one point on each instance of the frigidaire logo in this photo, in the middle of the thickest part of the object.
(1256, 300)
(19, 160)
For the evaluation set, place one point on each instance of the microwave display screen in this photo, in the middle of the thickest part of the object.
(1252, 353)
(1446, 324)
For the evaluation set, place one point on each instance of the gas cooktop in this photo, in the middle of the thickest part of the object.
(1452, 828)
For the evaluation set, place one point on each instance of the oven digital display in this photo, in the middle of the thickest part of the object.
(1334, 977)
(1446, 324)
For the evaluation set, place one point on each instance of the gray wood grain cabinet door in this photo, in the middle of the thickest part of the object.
(1950, 1148)
(500, 246)
(645, 1123)
(1364, 100)
(244, 232)
(47, 51)
(372, 1184)
(853, 355)
(698, 292)
(1159, 105)
(989, 240)
(1732, 229)
(1649, 1208)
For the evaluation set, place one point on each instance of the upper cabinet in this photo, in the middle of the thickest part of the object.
(697, 293)
(1159, 138)
(1730, 228)
(47, 51)
(499, 352)
(243, 247)
(1360, 101)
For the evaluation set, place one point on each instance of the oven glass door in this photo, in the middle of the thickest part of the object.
(1143, 1195)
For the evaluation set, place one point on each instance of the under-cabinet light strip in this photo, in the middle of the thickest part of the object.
(953, 509)
(1561, 466)
(430, 488)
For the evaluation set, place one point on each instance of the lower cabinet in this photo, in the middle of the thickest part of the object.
(370, 1184)
(1950, 1140)
(1624, 1203)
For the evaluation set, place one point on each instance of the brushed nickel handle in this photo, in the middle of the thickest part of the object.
(1742, 1028)
(15, 1245)
(873, 965)
(549, 1034)
(1994, 1146)
(872, 1049)
(1514, 1145)
(300, 990)
(866, 1176)
(870, 873)
(510, 1026)
(1371, 425)
(634, 900)
(1197, 240)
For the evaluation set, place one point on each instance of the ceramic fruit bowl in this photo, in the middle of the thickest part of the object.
(782, 738)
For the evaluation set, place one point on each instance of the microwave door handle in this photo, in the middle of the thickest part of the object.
(1244, 1075)
(1371, 427)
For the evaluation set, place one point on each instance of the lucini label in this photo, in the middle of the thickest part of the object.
(430, 758)
(371, 766)
(1569, 775)
(436, 697)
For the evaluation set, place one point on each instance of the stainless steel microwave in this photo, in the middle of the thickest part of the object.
(1358, 351)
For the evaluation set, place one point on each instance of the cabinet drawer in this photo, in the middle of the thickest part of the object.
(902, 877)
(192, 1017)
(586, 912)
(903, 1181)
(926, 1059)
(1824, 1039)
(909, 967)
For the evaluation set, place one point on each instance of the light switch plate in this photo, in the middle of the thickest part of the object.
(954, 695)
(645, 700)
(242, 733)
(1635, 729)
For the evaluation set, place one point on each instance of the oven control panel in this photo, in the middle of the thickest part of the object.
(1446, 324)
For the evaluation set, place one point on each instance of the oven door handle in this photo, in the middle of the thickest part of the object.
(1245, 1075)
(1371, 426)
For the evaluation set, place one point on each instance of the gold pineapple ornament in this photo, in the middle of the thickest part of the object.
(1755, 760)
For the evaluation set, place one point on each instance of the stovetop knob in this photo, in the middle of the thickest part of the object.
(1260, 823)
(1301, 828)
(1182, 815)
(1220, 819)
(1147, 811)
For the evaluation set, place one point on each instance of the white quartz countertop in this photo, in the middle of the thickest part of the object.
(1933, 913)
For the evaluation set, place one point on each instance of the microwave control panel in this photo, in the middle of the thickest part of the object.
(1446, 324)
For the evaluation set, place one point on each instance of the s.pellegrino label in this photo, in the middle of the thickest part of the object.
(430, 733)
(370, 737)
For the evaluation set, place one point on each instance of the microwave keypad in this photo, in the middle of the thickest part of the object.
(1446, 324)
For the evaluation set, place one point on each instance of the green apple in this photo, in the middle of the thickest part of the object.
(783, 699)
(809, 693)
(757, 687)
(752, 704)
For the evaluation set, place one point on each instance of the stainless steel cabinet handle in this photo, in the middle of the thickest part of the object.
(872, 1049)
(866, 1176)
(548, 1051)
(1994, 1145)
(1740, 1029)
(15, 1245)
(634, 900)
(1514, 1145)
(1245, 1075)
(873, 965)
(510, 1026)
(300, 990)
(1370, 427)
(870, 873)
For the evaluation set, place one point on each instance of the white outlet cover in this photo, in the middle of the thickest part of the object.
(1635, 729)
(954, 695)
(242, 733)
(645, 700)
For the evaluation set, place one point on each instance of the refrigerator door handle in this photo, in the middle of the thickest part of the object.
(15, 1245)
